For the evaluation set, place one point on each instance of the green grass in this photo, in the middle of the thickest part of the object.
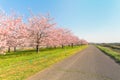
(111, 53)
(22, 64)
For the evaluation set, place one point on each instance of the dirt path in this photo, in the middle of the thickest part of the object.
(90, 64)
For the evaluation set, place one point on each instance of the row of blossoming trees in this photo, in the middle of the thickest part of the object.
(37, 31)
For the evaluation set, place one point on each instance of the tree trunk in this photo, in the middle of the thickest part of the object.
(55, 47)
(37, 48)
(8, 49)
(72, 45)
(62, 46)
(14, 49)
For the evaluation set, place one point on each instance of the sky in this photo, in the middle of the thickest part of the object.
(92, 20)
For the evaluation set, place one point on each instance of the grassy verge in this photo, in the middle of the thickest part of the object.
(22, 64)
(111, 53)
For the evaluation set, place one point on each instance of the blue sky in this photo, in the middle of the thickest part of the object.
(93, 20)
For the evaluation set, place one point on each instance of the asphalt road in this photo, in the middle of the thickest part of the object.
(90, 64)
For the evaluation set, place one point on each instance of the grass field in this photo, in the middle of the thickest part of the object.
(22, 64)
(111, 53)
(114, 46)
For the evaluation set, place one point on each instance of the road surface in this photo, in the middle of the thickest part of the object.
(90, 64)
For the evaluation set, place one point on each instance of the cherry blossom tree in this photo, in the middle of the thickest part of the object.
(83, 42)
(39, 31)
(61, 37)
(39, 27)
(54, 38)
(3, 33)
(16, 31)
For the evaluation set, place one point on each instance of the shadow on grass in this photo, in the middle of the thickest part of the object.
(18, 53)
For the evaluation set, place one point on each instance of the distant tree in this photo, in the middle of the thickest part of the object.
(84, 42)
